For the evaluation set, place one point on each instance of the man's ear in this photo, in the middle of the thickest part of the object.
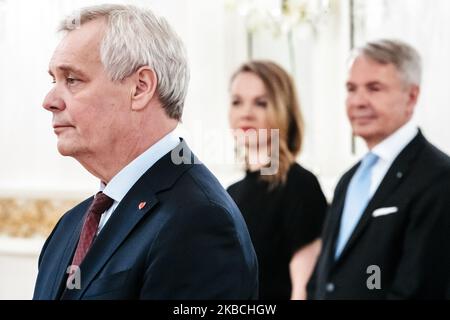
(413, 96)
(144, 88)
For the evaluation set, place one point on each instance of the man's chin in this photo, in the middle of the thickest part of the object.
(363, 126)
(65, 150)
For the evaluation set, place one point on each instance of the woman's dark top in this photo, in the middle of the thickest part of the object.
(280, 222)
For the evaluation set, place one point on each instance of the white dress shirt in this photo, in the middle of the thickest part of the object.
(123, 181)
(388, 150)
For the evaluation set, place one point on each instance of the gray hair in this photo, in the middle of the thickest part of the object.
(403, 56)
(136, 37)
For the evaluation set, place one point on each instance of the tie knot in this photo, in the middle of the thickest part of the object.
(369, 160)
(101, 203)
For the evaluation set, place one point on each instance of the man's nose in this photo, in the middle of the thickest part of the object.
(357, 99)
(53, 101)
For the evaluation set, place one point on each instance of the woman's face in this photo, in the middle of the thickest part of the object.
(249, 105)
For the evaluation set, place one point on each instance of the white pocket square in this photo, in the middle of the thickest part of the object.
(384, 211)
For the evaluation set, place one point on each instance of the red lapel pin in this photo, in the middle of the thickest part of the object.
(142, 205)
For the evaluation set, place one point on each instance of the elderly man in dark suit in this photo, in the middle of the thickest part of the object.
(161, 226)
(387, 234)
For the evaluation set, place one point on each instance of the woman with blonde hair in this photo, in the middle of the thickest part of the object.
(284, 207)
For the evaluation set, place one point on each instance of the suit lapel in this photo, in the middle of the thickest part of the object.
(125, 218)
(395, 175)
(335, 219)
(161, 176)
(329, 246)
(66, 258)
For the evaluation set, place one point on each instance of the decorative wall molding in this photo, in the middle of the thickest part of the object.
(31, 217)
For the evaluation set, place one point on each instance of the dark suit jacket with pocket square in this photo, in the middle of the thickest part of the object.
(404, 232)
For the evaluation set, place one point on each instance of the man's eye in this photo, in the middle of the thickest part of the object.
(375, 88)
(71, 81)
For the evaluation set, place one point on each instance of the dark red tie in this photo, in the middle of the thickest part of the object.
(100, 204)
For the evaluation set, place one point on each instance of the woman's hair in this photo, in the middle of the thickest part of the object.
(283, 113)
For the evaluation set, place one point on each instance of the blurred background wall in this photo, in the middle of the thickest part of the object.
(37, 185)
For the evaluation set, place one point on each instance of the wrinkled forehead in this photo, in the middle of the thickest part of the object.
(80, 46)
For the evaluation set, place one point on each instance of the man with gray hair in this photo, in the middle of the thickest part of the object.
(161, 226)
(387, 232)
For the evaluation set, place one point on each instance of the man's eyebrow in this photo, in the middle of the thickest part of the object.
(374, 83)
(370, 83)
(67, 69)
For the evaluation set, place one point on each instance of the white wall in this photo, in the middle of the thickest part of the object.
(18, 267)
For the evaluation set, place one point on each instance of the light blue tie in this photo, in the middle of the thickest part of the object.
(356, 200)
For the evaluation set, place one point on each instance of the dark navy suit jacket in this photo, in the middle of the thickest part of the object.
(189, 242)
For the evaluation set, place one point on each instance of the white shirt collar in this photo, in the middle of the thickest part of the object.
(123, 181)
(390, 148)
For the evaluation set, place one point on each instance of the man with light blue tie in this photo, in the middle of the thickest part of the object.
(387, 235)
